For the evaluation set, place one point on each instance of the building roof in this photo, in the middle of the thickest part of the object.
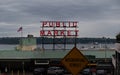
(14, 54)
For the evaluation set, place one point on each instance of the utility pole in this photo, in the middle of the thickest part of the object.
(105, 47)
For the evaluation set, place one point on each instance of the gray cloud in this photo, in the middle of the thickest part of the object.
(97, 18)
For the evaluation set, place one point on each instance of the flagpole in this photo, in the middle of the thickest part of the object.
(21, 35)
(21, 38)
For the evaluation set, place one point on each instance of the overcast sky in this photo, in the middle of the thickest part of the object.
(97, 18)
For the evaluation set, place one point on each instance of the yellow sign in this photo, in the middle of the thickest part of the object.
(74, 61)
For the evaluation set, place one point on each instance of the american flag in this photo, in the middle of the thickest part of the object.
(20, 29)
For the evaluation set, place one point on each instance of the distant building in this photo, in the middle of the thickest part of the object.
(27, 44)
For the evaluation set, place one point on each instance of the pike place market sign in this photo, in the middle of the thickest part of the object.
(59, 28)
(74, 61)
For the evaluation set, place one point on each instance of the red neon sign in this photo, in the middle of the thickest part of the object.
(59, 28)
(59, 23)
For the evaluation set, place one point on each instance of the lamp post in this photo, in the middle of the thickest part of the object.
(105, 47)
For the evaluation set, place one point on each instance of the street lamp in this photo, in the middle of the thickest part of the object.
(105, 47)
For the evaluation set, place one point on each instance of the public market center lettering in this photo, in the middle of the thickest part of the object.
(59, 28)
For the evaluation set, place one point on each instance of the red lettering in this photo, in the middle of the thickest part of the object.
(55, 32)
(62, 26)
(57, 24)
(75, 24)
(68, 33)
(63, 23)
(44, 23)
(42, 33)
(62, 33)
(51, 24)
(49, 33)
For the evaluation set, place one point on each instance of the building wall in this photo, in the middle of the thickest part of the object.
(27, 48)
(27, 44)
